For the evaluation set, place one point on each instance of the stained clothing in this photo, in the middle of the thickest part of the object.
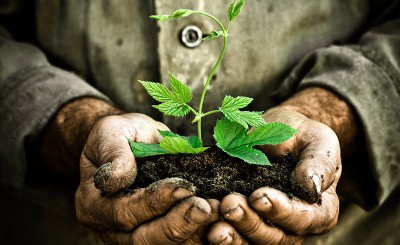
(101, 49)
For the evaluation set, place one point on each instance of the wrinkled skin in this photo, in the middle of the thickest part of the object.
(164, 213)
(248, 220)
(167, 212)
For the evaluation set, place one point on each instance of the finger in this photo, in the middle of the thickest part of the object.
(108, 149)
(174, 228)
(126, 212)
(145, 128)
(295, 215)
(199, 237)
(178, 225)
(320, 164)
(249, 224)
(222, 233)
(318, 151)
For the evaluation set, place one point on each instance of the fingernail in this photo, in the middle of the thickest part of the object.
(264, 201)
(234, 214)
(181, 193)
(197, 215)
(102, 175)
(317, 183)
(261, 203)
(224, 239)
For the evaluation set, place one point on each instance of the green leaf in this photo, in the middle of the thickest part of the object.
(250, 155)
(160, 17)
(214, 34)
(173, 103)
(144, 150)
(245, 118)
(176, 145)
(227, 132)
(230, 108)
(271, 134)
(234, 9)
(230, 10)
(234, 103)
(172, 108)
(166, 133)
(171, 144)
(157, 91)
(179, 13)
(193, 141)
(181, 91)
(233, 139)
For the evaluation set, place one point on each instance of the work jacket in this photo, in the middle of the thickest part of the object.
(52, 52)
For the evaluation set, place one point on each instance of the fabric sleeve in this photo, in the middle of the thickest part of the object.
(367, 75)
(31, 92)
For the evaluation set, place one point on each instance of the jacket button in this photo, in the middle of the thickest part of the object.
(190, 36)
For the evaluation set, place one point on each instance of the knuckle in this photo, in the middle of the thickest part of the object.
(124, 219)
(254, 227)
(176, 233)
(276, 238)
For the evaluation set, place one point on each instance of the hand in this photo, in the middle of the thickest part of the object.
(164, 213)
(269, 216)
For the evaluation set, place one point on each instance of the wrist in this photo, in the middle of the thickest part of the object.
(326, 107)
(61, 142)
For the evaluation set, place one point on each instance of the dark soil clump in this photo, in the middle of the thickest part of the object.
(216, 174)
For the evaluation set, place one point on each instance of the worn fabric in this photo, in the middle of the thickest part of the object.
(274, 49)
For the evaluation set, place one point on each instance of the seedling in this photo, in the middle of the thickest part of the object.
(231, 132)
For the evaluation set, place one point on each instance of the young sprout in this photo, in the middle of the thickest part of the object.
(231, 132)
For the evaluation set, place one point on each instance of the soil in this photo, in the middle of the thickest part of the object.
(216, 174)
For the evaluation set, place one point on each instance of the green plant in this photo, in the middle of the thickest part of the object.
(231, 132)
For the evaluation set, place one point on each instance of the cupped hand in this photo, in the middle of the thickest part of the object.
(269, 216)
(166, 212)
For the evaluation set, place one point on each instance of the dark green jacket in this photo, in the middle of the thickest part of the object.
(275, 48)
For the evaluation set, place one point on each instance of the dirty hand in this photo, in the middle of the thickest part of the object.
(323, 120)
(268, 216)
(163, 213)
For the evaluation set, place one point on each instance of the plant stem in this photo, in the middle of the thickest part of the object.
(210, 112)
(193, 110)
(213, 69)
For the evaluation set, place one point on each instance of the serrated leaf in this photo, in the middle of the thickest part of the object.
(245, 118)
(250, 155)
(234, 103)
(230, 10)
(180, 90)
(227, 132)
(193, 141)
(166, 133)
(173, 103)
(230, 108)
(233, 139)
(144, 150)
(214, 34)
(157, 91)
(271, 134)
(172, 108)
(176, 145)
(171, 144)
(234, 9)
